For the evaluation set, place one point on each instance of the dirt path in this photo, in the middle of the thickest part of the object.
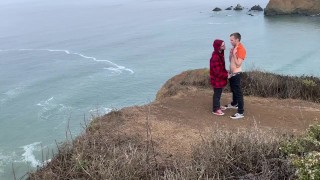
(180, 121)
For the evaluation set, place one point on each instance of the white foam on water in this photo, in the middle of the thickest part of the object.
(28, 155)
(114, 70)
(11, 94)
(62, 107)
(116, 66)
(46, 162)
(3, 161)
(45, 103)
(99, 111)
(51, 108)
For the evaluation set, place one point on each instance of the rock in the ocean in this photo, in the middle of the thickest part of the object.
(256, 8)
(238, 8)
(216, 9)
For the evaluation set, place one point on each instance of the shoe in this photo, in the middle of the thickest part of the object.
(237, 116)
(223, 108)
(218, 112)
(229, 106)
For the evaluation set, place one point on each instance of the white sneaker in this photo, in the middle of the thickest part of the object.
(229, 106)
(237, 116)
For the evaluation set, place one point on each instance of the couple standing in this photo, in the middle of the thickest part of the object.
(219, 75)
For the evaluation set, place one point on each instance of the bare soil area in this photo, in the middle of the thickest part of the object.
(178, 122)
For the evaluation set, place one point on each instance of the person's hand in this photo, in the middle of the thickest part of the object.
(235, 50)
(231, 50)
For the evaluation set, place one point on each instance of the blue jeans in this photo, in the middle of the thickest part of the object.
(216, 99)
(237, 96)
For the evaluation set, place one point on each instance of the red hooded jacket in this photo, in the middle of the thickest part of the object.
(218, 72)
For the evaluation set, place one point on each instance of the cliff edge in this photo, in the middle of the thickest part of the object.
(177, 136)
(288, 7)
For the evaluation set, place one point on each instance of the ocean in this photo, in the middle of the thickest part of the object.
(64, 62)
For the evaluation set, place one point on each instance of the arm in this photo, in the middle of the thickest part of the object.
(230, 58)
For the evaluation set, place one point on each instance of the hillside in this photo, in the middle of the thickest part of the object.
(175, 122)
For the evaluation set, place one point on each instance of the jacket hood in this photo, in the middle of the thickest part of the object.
(217, 44)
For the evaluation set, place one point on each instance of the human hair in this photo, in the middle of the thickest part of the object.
(236, 35)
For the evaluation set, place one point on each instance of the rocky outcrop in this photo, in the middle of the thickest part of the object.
(238, 8)
(287, 7)
(256, 8)
(229, 8)
(216, 9)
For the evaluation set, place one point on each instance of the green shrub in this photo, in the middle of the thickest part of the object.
(304, 153)
(308, 82)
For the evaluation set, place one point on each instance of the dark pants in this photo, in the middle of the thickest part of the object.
(216, 98)
(237, 96)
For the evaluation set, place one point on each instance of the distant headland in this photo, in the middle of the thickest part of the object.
(289, 7)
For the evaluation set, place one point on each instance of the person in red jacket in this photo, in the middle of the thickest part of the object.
(218, 75)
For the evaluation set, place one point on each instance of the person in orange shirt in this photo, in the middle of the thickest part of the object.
(236, 57)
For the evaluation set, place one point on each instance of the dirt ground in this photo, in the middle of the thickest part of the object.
(181, 121)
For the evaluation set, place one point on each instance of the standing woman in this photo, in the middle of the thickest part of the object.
(218, 75)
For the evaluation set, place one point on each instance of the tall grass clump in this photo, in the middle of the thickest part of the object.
(264, 84)
(247, 154)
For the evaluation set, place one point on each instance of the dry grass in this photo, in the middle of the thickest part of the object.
(98, 154)
(244, 154)
(254, 83)
(263, 84)
(193, 78)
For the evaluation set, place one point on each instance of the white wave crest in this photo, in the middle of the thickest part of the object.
(28, 155)
(116, 66)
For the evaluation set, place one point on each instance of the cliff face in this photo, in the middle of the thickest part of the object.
(302, 7)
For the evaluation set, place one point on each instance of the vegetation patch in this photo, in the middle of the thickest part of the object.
(254, 83)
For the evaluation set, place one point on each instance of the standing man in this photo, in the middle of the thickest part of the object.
(236, 57)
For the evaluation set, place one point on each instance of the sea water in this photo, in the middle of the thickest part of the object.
(64, 62)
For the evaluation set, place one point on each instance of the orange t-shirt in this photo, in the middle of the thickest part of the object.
(241, 51)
